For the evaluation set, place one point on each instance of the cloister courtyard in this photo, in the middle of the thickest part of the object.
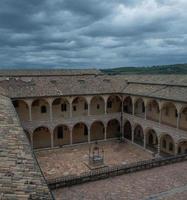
(73, 160)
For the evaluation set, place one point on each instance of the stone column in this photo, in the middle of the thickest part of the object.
(89, 135)
(70, 100)
(29, 103)
(88, 109)
(71, 135)
(88, 99)
(132, 134)
(158, 147)
(52, 139)
(105, 100)
(176, 149)
(178, 119)
(30, 112)
(105, 134)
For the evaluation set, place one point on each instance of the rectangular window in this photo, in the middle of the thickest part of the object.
(74, 108)
(109, 104)
(85, 131)
(125, 108)
(43, 109)
(85, 106)
(63, 107)
(143, 107)
(60, 133)
(176, 113)
(98, 106)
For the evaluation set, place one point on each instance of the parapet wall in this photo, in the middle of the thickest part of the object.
(20, 176)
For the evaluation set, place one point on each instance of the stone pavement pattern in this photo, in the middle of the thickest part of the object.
(71, 160)
(162, 183)
(20, 177)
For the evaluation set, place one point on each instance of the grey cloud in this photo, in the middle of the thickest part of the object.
(87, 33)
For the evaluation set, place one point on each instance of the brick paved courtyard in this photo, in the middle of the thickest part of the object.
(71, 160)
(162, 183)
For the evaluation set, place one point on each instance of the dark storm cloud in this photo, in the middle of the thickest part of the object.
(92, 33)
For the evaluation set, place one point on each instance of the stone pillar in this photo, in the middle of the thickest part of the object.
(30, 112)
(70, 110)
(88, 99)
(71, 135)
(88, 109)
(132, 134)
(178, 119)
(158, 147)
(105, 100)
(176, 149)
(89, 135)
(70, 100)
(29, 103)
(105, 134)
(52, 139)
(160, 117)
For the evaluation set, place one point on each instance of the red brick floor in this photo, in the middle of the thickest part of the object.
(162, 183)
(71, 160)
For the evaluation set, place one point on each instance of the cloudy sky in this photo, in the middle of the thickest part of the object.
(92, 33)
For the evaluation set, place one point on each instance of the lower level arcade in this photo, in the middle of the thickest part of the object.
(148, 138)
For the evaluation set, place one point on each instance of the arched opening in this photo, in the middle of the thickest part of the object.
(61, 135)
(97, 131)
(80, 133)
(139, 108)
(169, 114)
(127, 105)
(152, 140)
(128, 130)
(113, 104)
(97, 106)
(22, 109)
(40, 110)
(113, 128)
(183, 119)
(167, 145)
(182, 147)
(79, 107)
(152, 111)
(41, 138)
(139, 135)
(61, 108)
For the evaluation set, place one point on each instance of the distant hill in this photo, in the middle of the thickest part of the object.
(161, 69)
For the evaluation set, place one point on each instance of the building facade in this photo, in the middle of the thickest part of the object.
(76, 107)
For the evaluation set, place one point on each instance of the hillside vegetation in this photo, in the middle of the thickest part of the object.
(162, 69)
